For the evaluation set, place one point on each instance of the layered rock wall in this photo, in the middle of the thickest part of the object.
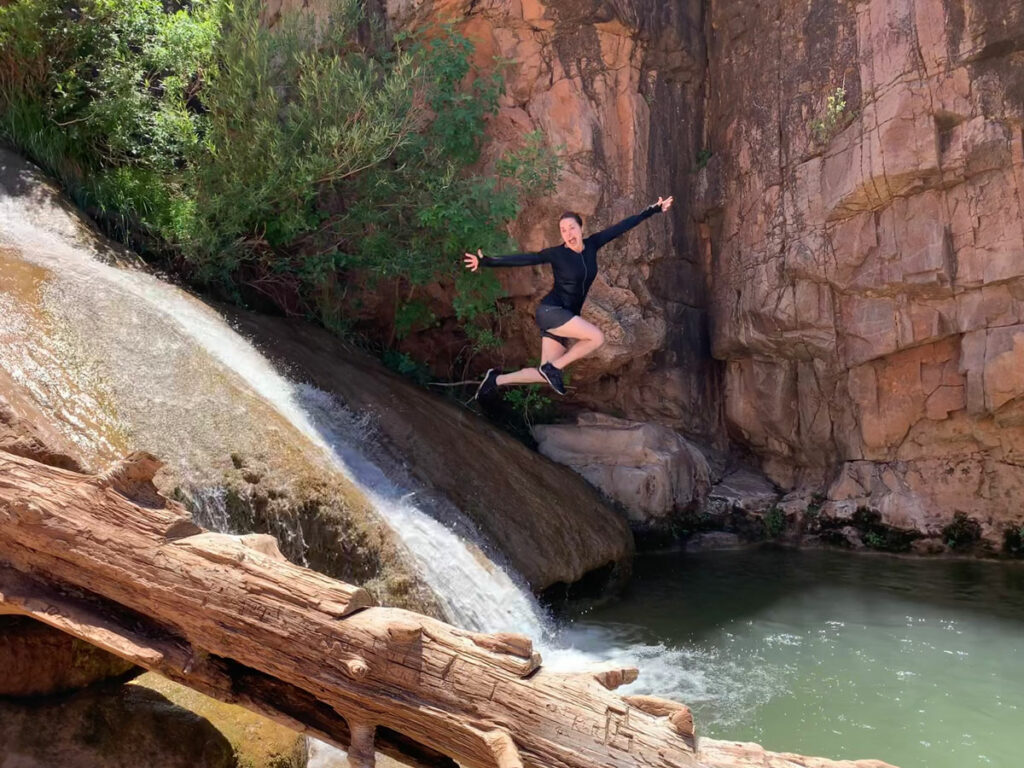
(867, 277)
(840, 291)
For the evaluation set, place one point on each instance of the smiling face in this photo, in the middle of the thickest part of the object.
(572, 233)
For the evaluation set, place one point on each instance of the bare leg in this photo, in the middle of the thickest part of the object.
(589, 335)
(549, 350)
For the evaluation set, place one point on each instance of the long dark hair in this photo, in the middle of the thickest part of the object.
(571, 215)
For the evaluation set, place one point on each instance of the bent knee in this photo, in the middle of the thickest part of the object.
(597, 339)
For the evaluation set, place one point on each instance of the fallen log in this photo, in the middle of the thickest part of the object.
(109, 560)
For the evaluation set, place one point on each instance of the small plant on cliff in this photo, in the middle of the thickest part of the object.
(878, 535)
(815, 504)
(825, 127)
(411, 316)
(774, 522)
(962, 533)
(875, 540)
(1013, 541)
(529, 403)
(402, 363)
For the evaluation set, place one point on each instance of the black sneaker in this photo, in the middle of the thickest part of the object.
(489, 385)
(552, 376)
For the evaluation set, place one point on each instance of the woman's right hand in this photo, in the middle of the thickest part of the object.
(472, 261)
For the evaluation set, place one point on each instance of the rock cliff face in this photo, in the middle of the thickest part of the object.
(618, 87)
(862, 266)
(867, 277)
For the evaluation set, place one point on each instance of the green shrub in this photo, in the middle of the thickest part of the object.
(875, 540)
(826, 126)
(878, 535)
(98, 94)
(402, 363)
(815, 504)
(302, 164)
(962, 532)
(774, 522)
(1013, 540)
(529, 403)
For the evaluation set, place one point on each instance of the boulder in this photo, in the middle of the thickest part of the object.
(110, 727)
(37, 660)
(742, 489)
(651, 470)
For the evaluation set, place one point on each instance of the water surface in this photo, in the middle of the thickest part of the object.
(919, 663)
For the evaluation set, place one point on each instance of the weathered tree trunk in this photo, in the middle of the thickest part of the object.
(109, 560)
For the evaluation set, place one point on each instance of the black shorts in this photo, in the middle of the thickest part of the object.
(550, 316)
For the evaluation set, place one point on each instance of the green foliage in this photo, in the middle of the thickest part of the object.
(291, 114)
(482, 338)
(875, 540)
(294, 163)
(529, 402)
(703, 158)
(826, 126)
(412, 316)
(774, 522)
(878, 535)
(1013, 540)
(534, 168)
(815, 504)
(962, 532)
(98, 93)
(402, 363)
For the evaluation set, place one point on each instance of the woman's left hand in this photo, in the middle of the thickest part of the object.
(665, 203)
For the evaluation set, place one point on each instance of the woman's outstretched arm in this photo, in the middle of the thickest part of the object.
(475, 260)
(606, 235)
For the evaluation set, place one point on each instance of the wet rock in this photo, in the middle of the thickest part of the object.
(256, 741)
(26, 431)
(851, 536)
(742, 489)
(550, 524)
(928, 546)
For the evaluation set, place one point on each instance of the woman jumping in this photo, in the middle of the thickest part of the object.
(574, 266)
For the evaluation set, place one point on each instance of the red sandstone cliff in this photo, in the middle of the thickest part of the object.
(864, 283)
(867, 290)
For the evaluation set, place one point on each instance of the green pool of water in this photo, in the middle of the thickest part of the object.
(916, 662)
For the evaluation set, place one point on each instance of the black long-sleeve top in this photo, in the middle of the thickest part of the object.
(574, 273)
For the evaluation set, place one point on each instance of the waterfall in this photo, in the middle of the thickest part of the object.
(475, 592)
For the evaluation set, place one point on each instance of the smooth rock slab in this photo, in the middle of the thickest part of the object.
(649, 469)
